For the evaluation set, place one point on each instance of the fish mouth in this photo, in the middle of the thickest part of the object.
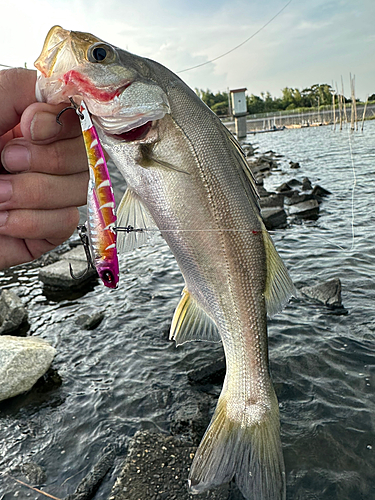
(64, 69)
(121, 104)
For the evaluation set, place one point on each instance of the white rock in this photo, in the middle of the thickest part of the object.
(23, 360)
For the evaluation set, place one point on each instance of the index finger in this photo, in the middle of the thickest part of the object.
(17, 91)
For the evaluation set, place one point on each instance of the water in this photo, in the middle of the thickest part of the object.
(125, 375)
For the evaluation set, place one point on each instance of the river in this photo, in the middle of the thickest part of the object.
(126, 375)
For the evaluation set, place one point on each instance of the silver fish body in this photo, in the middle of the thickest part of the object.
(186, 173)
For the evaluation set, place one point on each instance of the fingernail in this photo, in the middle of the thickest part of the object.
(6, 191)
(44, 126)
(3, 218)
(16, 158)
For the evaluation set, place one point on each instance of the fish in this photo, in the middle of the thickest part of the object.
(187, 175)
(98, 234)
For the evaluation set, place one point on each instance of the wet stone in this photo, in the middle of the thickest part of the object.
(300, 198)
(212, 373)
(306, 184)
(58, 275)
(294, 164)
(32, 472)
(273, 200)
(157, 466)
(22, 362)
(262, 191)
(12, 312)
(87, 488)
(294, 183)
(320, 191)
(90, 321)
(328, 293)
(306, 210)
(274, 218)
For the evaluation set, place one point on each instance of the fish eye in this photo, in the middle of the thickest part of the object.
(100, 54)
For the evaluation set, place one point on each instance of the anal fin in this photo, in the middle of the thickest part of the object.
(191, 322)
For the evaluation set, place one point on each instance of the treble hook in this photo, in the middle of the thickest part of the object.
(82, 231)
(74, 106)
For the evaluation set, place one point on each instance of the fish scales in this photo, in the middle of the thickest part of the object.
(187, 175)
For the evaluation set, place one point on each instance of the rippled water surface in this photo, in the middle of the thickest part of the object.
(125, 375)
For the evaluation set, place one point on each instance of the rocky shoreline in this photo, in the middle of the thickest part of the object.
(156, 465)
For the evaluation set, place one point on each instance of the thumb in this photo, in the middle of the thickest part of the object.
(17, 91)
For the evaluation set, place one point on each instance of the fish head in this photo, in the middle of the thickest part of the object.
(120, 95)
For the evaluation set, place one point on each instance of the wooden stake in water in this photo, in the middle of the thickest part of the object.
(364, 113)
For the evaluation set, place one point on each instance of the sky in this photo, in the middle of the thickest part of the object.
(310, 41)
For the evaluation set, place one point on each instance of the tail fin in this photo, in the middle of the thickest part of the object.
(252, 454)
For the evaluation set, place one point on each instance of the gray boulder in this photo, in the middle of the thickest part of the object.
(328, 293)
(274, 217)
(308, 209)
(57, 275)
(12, 312)
(23, 360)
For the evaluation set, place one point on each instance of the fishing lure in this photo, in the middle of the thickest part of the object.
(98, 235)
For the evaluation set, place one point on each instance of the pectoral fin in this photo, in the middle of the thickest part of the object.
(191, 322)
(132, 212)
(279, 286)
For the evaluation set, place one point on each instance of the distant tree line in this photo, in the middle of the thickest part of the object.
(316, 95)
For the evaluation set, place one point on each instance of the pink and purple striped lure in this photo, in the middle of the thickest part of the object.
(101, 215)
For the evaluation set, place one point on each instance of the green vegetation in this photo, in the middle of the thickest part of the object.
(316, 95)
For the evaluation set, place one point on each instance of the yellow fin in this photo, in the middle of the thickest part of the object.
(132, 212)
(191, 322)
(249, 452)
(279, 286)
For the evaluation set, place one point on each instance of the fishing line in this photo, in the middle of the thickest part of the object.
(240, 44)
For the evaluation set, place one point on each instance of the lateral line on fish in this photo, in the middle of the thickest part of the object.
(131, 229)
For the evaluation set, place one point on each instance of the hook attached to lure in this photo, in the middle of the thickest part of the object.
(82, 232)
(74, 106)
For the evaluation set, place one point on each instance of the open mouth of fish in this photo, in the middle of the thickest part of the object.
(73, 66)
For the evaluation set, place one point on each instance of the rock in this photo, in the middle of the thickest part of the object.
(192, 417)
(294, 164)
(286, 189)
(90, 483)
(34, 473)
(273, 200)
(274, 218)
(90, 322)
(22, 362)
(320, 191)
(306, 184)
(300, 198)
(328, 293)
(305, 210)
(57, 275)
(294, 183)
(263, 193)
(12, 312)
(157, 467)
(212, 373)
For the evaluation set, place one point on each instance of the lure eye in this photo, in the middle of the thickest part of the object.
(108, 279)
(100, 53)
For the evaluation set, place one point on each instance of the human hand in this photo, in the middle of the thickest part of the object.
(43, 171)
